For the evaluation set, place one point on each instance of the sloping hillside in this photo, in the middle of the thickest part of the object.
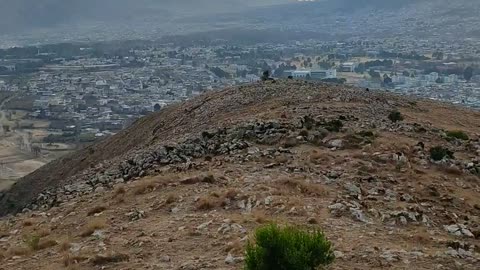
(183, 188)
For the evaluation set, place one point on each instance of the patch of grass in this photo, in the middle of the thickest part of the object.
(43, 232)
(119, 191)
(395, 116)
(28, 223)
(47, 243)
(109, 258)
(32, 241)
(18, 251)
(206, 203)
(171, 198)
(289, 248)
(457, 134)
(65, 244)
(96, 210)
(438, 153)
(304, 187)
(92, 226)
(260, 217)
(144, 187)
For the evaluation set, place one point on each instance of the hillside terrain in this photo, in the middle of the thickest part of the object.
(393, 181)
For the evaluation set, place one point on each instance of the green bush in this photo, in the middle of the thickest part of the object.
(333, 126)
(395, 116)
(288, 248)
(438, 153)
(457, 134)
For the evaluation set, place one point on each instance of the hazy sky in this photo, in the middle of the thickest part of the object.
(23, 14)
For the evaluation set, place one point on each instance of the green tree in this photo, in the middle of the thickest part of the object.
(468, 73)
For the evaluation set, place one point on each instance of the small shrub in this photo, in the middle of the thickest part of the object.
(171, 198)
(206, 203)
(457, 134)
(333, 126)
(438, 153)
(47, 243)
(119, 191)
(28, 223)
(305, 187)
(395, 116)
(144, 187)
(366, 133)
(303, 133)
(92, 226)
(287, 248)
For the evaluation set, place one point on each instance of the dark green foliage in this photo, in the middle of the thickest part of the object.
(308, 122)
(457, 134)
(366, 133)
(395, 116)
(333, 126)
(468, 73)
(287, 248)
(303, 133)
(438, 153)
(265, 75)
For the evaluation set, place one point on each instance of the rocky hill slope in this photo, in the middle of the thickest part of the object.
(183, 188)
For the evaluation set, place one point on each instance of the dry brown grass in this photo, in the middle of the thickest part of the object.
(42, 232)
(171, 198)
(65, 244)
(231, 194)
(316, 157)
(304, 187)
(119, 191)
(206, 203)
(92, 226)
(46, 243)
(96, 210)
(28, 223)
(145, 186)
(108, 258)
(18, 251)
(260, 217)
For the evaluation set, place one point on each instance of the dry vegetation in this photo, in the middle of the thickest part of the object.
(92, 226)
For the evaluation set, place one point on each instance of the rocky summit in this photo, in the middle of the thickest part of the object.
(394, 183)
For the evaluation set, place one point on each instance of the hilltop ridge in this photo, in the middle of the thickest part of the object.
(183, 188)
